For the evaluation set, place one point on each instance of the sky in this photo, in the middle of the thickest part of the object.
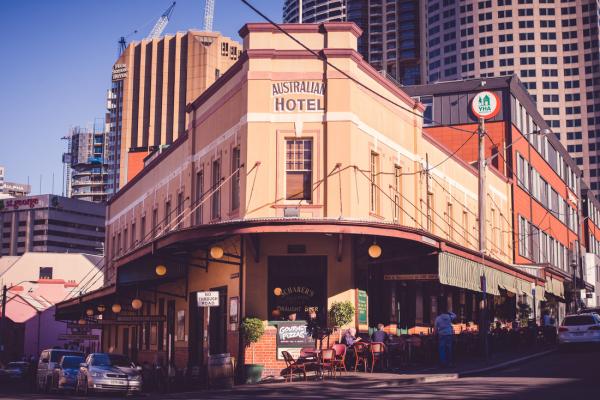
(55, 64)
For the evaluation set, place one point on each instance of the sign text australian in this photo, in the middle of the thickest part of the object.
(290, 96)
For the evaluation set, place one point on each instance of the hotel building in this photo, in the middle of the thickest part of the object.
(152, 82)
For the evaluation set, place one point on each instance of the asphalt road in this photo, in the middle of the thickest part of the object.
(571, 375)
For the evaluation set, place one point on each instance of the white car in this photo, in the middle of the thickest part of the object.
(579, 328)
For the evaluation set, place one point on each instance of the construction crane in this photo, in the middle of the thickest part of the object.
(156, 31)
(209, 13)
(161, 24)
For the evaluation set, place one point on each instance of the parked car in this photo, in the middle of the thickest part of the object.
(49, 359)
(104, 372)
(579, 328)
(64, 376)
(17, 370)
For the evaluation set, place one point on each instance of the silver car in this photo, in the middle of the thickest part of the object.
(105, 372)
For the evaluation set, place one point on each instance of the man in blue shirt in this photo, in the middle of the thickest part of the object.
(379, 335)
(445, 333)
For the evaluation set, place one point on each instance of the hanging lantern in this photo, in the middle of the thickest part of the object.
(116, 308)
(375, 250)
(81, 321)
(136, 304)
(160, 270)
(216, 252)
(277, 291)
(101, 308)
(89, 312)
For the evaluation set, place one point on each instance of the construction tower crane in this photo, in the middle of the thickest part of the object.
(209, 13)
(156, 31)
(161, 24)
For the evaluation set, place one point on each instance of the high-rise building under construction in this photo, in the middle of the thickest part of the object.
(152, 82)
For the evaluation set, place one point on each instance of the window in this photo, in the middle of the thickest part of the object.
(397, 193)
(465, 226)
(374, 178)
(125, 240)
(430, 207)
(45, 273)
(449, 221)
(199, 198)
(179, 209)
(216, 190)
(235, 179)
(298, 167)
(154, 221)
(167, 215)
(133, 234)
(142, 228)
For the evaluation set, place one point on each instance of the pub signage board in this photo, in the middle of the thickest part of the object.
(362, 306)
(293, 336)
(298, 96)
(132, 319)
(78, 337)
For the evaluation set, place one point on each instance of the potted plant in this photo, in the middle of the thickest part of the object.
(252, 329)
(340, 314)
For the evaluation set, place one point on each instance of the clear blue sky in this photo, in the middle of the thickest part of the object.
(55, 63)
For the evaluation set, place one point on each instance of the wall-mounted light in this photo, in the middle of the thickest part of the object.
(116, 308)
(217, 252)
(101, 308)
(160, 270)
(277, 291)
(374, 250)
(89, 312)
(136, 304)
(81, 321)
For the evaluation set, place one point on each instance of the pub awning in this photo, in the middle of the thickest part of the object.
(458, 271)
(555, 287)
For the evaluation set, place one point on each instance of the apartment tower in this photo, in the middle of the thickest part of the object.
(152, 82)
(390, 42)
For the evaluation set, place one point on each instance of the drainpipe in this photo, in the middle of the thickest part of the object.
(39, 315)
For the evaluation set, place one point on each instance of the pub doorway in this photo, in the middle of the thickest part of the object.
(171, 331)
(217, 324)
(196, 332)
(126, 342)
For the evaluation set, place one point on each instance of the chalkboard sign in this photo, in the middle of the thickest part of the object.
(362, 309)
(292, 336)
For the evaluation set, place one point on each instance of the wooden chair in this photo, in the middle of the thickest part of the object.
(327, 361)
(377, 353)
(340, 357)
(361, 355)
(293, 366)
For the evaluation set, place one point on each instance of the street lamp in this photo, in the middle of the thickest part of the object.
(217, 252)
(160, 270)
(5, 289)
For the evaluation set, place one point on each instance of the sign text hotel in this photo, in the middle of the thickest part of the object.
(298, 96)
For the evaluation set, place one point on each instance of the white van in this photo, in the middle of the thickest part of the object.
(49, 359)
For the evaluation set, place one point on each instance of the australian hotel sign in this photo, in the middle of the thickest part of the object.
(298, 96)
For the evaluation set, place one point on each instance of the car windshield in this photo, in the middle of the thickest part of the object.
(57, 355)
(110, 360)
(71, 362)
(16, 365)
(579, 320)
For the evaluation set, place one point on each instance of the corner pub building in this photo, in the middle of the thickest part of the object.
(298, 183)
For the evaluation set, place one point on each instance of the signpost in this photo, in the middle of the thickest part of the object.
(208, 299)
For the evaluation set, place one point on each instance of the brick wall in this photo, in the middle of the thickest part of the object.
(265, 353)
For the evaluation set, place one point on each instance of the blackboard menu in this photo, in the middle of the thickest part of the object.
(292, 336)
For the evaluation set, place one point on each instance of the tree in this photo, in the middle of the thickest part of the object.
(252, 330)
(340, 314)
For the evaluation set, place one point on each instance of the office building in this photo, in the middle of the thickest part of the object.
(12, 189)
(551, 45)
(86, 154)
(152, 82)
(49, 223)
(391, 39)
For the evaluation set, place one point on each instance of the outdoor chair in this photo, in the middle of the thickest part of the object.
(340, 357)
(328, 361)
(377, 350)
(361, 355)
(293, 366)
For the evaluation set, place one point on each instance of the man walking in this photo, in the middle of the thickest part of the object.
(444, 331)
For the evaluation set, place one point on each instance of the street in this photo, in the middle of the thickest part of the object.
(572, 374)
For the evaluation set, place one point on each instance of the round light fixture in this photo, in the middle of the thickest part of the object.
(160, 270)
(136, 304)
(116, 308)
(374, 250)
(89, 312)
(216, 252)
(81, 321)
(277, 291)
(101, 308)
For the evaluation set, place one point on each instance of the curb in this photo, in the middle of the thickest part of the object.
(412, 381)
(505, 364)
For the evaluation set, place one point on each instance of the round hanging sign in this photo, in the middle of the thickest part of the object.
(485, 105)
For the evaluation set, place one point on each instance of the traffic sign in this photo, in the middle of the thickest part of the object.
(485, 105)
(208, 299)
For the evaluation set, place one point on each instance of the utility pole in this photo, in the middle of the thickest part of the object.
(4, 290)
(483, 328)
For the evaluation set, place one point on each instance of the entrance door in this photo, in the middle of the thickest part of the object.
(134, 343)
(217, 324)
(196, 332)
(171, 331)
(126, 342)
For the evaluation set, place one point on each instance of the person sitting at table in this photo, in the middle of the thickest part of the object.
(379, 335)
(350, 337)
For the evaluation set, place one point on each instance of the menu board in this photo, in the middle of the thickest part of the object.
(292, 336)
(362, 302)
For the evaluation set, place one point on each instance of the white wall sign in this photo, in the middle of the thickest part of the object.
(207, 299)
